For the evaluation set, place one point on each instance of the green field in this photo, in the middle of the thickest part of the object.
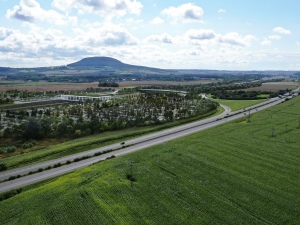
(263, 96)
(238, 104)
(235, 173)
(88, 143)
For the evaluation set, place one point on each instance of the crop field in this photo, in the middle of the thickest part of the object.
(236, 173)
(46, 87)
(235, 105)
(12, 84)
(161, 83)
(274, 86)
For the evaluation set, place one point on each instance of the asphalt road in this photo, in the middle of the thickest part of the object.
(139, 143)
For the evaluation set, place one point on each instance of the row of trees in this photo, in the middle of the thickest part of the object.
(142, 110)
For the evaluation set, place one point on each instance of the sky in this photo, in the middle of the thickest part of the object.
(169, 34)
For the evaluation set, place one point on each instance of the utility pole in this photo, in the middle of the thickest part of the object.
(273, 132)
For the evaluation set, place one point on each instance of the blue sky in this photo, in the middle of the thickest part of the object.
(218, 34)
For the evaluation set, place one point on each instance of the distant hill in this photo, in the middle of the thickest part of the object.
(98, 62)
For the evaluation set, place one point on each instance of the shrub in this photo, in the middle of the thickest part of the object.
(68, 162)
(3, 166)
(57, 165)
(33, 142)
(18, 176)
(13, 149)
(40, 170)
(25, 145)
(48, 168)
(1, 150)
(76, 159)
(9, 150)
(12, 177)
(1, 133)
(30, 145)
(31, 172)
(98, 153)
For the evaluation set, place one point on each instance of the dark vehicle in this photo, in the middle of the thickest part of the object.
(122, 143)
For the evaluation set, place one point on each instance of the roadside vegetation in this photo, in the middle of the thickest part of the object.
(235, 105)
(48, 149)
(236, 173)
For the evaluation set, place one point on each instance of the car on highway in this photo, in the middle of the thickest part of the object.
(122, 143)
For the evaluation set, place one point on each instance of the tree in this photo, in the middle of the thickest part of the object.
(33, 128)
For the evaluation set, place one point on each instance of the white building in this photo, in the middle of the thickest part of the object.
(83, 98)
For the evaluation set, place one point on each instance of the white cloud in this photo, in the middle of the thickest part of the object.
(266, 42)
(78, 30)
(201, 34)
(274, 37)
(222, 10)
(104, 8)
(131, 20)
(157, 21)
(298, 43)
(4, 33)
(30, 10)
(234, 38)
(73, 20)
(163, 38)
(134, 28)
(109, 34)
(281, 30)
(186, 12)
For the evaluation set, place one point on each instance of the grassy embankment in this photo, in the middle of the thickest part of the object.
(235, 173)
(238, 104)
(90, 142)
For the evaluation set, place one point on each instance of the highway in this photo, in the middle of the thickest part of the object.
(139, 143)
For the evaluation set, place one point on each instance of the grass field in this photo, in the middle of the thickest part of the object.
(80, 145)
(238, 104)
(235, 173)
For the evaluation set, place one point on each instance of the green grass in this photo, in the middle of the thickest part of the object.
(89, 142)
(238, 104)
(235, 173)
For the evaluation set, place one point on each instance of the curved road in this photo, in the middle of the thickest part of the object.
(139, 143)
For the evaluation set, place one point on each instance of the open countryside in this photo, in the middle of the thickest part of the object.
(133, 112)
(240, 183)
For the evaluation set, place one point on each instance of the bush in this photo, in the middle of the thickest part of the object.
(40, 170)
(30, 145)
(1, 133)
(33, 142)
(13, 149)
(48, 168)
(68, 162)
(1, 150)
(12, 177)
(57, 165)
(25, 145)
(18, 176)
(3, 166)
